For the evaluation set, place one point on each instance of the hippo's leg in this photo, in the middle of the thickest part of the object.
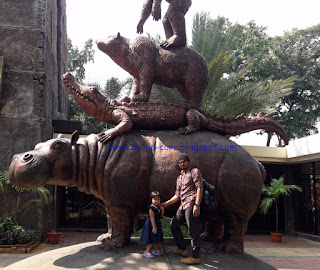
(193, 120)
(215, 230)
(119, 229)
(124, 124)
(234, 231)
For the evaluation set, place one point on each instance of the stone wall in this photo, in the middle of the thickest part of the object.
(33, 44)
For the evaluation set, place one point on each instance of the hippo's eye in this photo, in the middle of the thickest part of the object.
(57, 145)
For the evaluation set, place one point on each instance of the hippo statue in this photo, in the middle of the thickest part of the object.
(124, 171)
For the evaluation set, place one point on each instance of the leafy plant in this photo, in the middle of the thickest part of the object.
(273, 192)
(5, 183)
(12, 233)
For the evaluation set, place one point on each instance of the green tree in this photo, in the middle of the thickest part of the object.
(295, 54)
(78, 59)
(232, 91)
(114, 86)
(298, 52)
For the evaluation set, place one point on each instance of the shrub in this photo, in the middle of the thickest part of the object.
(12, 233)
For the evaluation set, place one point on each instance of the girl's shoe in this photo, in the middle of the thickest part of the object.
(148, 255)
(156, 252)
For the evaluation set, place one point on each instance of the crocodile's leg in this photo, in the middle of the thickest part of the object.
(124, 124)
(194, 118)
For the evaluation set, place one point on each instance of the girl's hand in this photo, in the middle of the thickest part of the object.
(154, 230)
(162, 210)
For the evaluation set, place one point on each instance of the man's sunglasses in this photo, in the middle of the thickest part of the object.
(181, 161)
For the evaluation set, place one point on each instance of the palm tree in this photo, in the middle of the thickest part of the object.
(273, 192)
(230, 93)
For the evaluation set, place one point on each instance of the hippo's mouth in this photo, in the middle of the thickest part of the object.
(29, 170)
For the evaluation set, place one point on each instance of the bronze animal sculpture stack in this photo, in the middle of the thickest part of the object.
(110, 166)
(123, 177)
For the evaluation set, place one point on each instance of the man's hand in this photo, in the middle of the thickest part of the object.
(164, 205)
(196, 211)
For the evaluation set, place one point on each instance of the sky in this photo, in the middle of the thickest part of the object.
(98, 19)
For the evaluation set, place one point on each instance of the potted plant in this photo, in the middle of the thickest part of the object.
(273, 192)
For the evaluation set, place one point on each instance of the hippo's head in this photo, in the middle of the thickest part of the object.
(49, 163)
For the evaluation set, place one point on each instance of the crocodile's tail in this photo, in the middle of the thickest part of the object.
(240, 124)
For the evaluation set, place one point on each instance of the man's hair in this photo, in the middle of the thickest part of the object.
(154, 194)
(183, 156)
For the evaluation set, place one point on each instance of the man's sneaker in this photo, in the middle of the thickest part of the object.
(181, 252)
(156, 252)
(148, 255)
(190, 260)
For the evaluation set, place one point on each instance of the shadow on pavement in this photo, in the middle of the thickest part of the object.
(90, 257)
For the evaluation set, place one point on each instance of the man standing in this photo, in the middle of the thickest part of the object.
(189, 190)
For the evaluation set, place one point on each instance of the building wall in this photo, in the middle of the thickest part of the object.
(33, 44)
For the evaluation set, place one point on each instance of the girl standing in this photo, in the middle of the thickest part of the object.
(152, 230)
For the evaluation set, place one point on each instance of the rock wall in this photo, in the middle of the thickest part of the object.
(33, 44)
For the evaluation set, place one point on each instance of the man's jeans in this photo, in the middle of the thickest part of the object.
(193, 224)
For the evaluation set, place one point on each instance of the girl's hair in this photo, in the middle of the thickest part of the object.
(154, 194)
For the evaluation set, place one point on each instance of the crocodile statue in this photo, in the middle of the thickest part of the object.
(162, 116)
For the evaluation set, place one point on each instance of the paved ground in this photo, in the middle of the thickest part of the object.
(260, 254)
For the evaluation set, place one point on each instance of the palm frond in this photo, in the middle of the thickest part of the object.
(232, 99)
(266, 203)
(45, 193)
(166, 95)
(276, 189)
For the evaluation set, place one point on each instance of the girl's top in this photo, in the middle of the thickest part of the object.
(147, 237)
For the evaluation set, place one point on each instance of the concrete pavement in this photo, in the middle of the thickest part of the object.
(90, 257)
(260, 254)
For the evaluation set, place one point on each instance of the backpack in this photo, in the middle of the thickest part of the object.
(207, 197)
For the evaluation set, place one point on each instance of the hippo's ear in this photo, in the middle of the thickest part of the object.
(74, 137)
(118, 35)
(60, 136)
